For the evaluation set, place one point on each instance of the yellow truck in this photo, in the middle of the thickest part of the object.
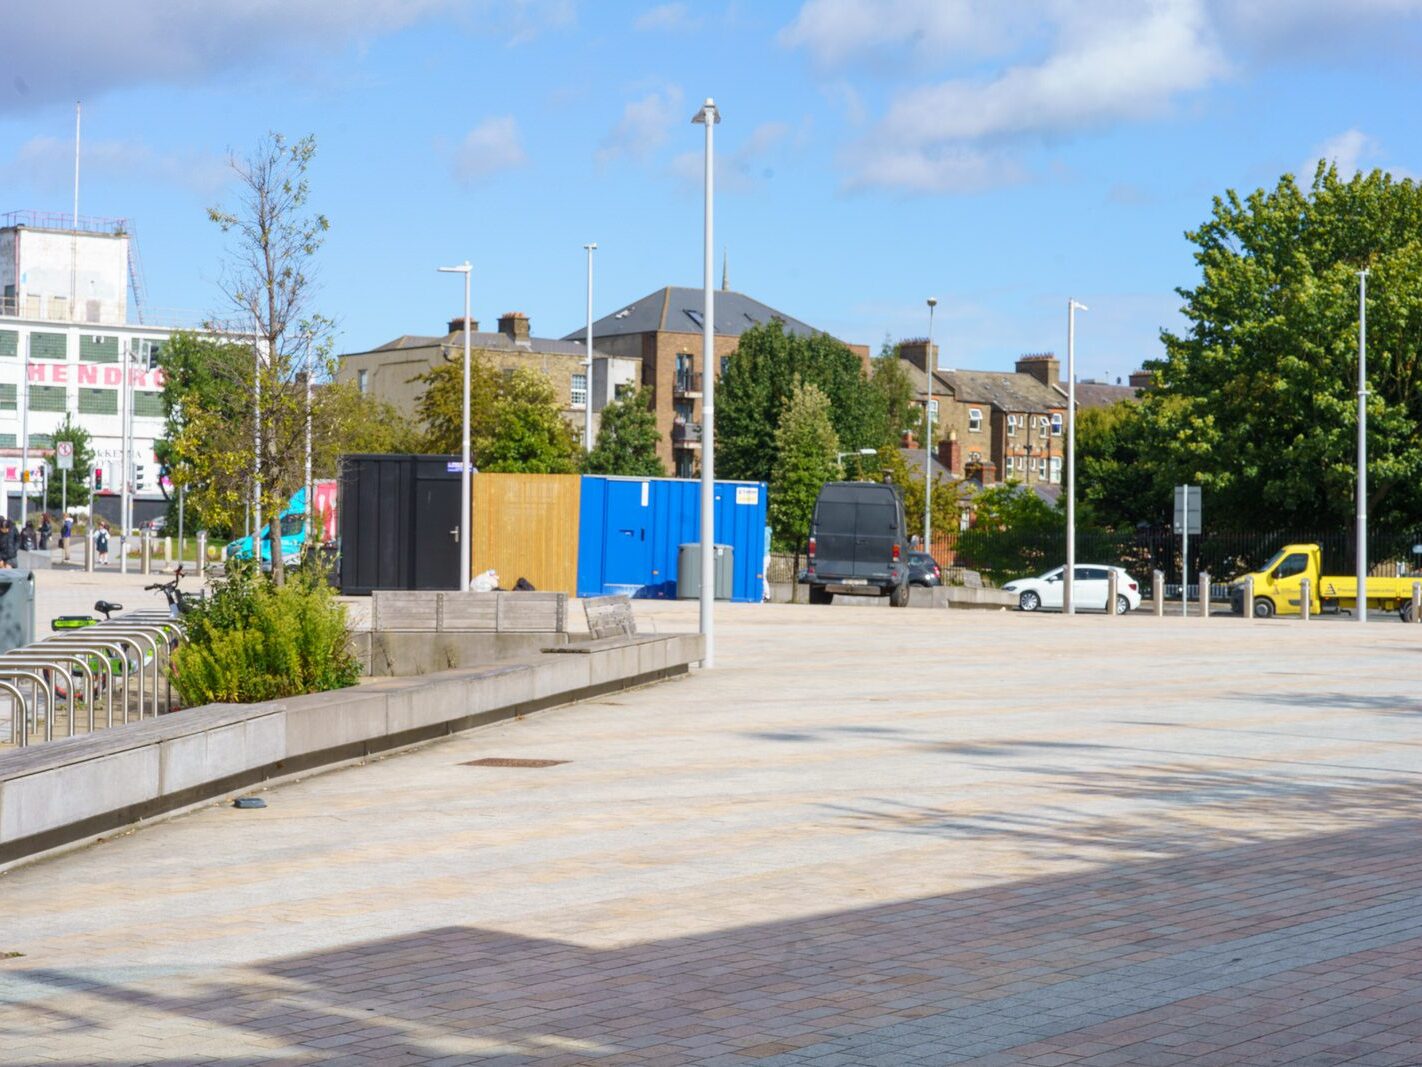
(1278, 584)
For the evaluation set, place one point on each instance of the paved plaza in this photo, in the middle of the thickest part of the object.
(867, 837)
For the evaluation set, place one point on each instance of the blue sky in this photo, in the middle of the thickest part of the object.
(1001, 156)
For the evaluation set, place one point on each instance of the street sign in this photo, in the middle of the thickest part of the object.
(1187, 509)
(64, 455)
(453, 465)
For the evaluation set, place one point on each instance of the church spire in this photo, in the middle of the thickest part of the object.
(725, 270)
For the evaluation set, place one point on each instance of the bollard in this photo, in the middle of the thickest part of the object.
(1249, 598)
(1416, 602)
(1112, 587)
(167, 549)
(201, 550)
(89, 550)
(1305, 600)
(1204, 594)
(145, 553)
(1157, 592)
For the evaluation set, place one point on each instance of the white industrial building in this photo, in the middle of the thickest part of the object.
(66, 341)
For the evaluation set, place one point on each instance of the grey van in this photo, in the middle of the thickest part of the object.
(858, 543)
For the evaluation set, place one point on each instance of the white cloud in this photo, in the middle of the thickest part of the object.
(672, 17)
(833, 31)
(76, 49)
(490, 147)
(644, 126)
(1350, 151)
(47, 163)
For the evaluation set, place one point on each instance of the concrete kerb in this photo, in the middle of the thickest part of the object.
(67, 793)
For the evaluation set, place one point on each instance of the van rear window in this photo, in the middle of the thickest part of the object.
(835, 515)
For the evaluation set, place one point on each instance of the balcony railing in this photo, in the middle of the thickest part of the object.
(687, 381)
(686, 434)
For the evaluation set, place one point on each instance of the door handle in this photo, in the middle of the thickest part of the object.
(454, 533)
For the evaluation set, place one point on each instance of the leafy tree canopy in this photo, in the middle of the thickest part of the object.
(761, 375)
(1256, 400)
(805, 447)
(627, 439)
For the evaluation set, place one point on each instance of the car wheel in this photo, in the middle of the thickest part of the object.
(1263, 608)
(1123, 605)
(1029, 601)
(820, 595)
(899, 597)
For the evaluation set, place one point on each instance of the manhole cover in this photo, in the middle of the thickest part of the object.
(504, 761)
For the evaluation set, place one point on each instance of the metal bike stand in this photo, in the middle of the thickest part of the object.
(14, 674)
(48, 663)
(81, 660)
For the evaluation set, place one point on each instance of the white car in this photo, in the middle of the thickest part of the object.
(1089, 589)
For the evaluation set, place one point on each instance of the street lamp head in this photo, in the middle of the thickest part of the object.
(708, 113)
(1077, 305)
(591, 247)
(933, 301)
(463, 268)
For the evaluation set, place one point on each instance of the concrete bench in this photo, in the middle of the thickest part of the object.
(435, 611)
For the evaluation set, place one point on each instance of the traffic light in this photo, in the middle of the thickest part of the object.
(98, 479)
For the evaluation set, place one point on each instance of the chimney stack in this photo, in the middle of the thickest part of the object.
(514, 326)
(457, 325)
(1142, 379)
(950, 454)
(1044, 366)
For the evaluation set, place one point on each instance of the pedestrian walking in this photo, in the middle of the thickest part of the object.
(101, 542)
(66, 531)
(9, 543)
(46, 531)
(28, 537)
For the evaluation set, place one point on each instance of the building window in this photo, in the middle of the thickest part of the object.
(579, 395)
(49, 346)
(46, 398)
(95, 349)
(1042, 466)
(975, 420)
(1012, 426)
(148, 405)
(1056, 424)
(1056, 468)
(41, 440)
(725, 364)
(975, 457)
(98, 401)
(8, 399)
(9, 344)
(363, 385)
(1041, 426)
(8, 440)
(933, 408)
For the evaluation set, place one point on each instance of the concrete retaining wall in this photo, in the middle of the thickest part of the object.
(70, 790)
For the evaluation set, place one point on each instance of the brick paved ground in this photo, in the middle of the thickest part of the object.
(868, 838)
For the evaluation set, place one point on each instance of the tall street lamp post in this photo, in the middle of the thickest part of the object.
(1362, 519)
(1069, 575)
(930, 364)
(465, 502)
(588, 381)
(708, 116)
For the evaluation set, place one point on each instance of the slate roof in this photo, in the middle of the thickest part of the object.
(1102, 394)
(489, 342)
(1005, 390)
(678, 310)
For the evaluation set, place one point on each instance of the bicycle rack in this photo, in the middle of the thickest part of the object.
(20, 721)
(56, 664)
(157, 643)
(102, 648)
(82, 660)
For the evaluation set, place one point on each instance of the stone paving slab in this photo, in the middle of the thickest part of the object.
(888, 837)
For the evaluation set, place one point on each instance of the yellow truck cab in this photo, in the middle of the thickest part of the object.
(1278, 587)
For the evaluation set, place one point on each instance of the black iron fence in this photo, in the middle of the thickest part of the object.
(1001, 555)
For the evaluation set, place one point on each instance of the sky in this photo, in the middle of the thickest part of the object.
(1002, 157)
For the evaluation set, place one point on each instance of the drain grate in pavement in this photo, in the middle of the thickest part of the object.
(504, 761)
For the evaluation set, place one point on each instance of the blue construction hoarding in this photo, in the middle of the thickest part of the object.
(629, 530)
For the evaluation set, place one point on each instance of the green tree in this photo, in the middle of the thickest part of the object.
(805, 447)
(228, 456)
(893, 383)
(528, 432)
(627, 439)
(1014, 533)
(1256, 399)
(947, 495)
(441, 408)
(78, 476)
(761, 375)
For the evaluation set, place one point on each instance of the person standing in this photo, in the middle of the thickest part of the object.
(9, 543)
(46, 532)
(101, 542)
(66, 531)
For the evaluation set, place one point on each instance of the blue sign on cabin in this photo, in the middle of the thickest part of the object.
(629, 530)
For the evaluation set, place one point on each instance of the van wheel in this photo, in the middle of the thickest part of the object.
(1263, 608)
(899, 597)
(1405, 612)
(1029, 601)
(820, 595)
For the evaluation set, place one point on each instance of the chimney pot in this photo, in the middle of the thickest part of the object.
(514, 326)
(456, 325)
